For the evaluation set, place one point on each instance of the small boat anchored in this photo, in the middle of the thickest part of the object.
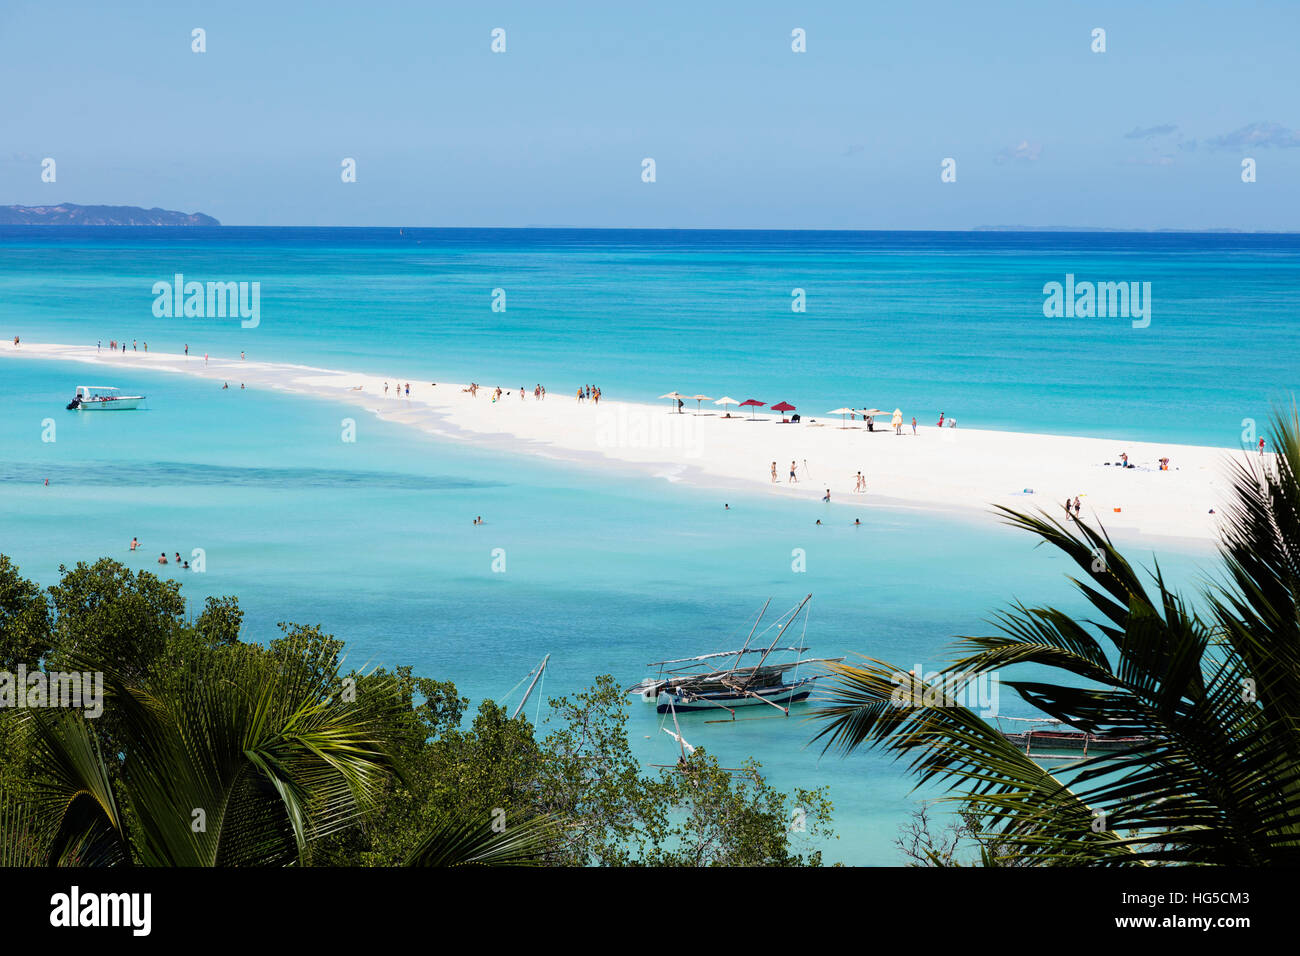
(696, 683)
(1031, 733)
(102, 398)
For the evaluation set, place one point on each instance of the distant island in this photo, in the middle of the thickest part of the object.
(70, 214)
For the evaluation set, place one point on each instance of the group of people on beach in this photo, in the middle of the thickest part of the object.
(162, 556)
(859, 480)
(794, 477)
(398, 389)
(539, 391)
(113, 344)
(590, 393)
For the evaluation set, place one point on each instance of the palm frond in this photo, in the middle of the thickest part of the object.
(461, 840)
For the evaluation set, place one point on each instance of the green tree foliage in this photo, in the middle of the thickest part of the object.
(212, 751)
(24, 619)
(103, 611)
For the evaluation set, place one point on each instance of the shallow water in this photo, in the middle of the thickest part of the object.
(375, 542)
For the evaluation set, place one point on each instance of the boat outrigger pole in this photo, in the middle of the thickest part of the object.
(536, 677)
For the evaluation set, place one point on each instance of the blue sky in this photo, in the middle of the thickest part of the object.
(745, 133)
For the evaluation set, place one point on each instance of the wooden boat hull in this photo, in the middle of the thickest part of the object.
(782, 695)
(1046, 741)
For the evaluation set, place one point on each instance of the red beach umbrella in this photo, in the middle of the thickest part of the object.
(753, 403)
(783, 407)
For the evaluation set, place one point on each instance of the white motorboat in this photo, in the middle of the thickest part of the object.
(102, 398)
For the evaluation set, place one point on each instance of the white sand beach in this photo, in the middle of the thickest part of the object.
(950, 469)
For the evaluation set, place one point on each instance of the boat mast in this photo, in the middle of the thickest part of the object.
(780, 633)
(536, 678)
(750, 637)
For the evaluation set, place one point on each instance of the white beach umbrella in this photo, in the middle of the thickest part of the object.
(675, 397)
(841, 412)
(698, 400)
(726, 400)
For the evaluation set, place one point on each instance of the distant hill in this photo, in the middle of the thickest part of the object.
(70, 214)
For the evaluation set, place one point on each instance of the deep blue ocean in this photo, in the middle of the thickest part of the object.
(931, 322)
(605, 571)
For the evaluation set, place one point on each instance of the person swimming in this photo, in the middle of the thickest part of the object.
(162, 558)
(135, 543)
(857, 522)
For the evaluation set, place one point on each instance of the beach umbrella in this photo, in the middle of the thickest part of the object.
(726, 400)
(873, 412)
(754, 403)
(842, 412)
(675, 397)
(698, 399)
(783, 407)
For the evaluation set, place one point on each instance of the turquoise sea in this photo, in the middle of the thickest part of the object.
(606, 570)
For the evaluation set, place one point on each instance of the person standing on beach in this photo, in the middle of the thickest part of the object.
(205, 359)
(408, 390)
(187, 349)
(146, 347)
(913, 424)
(773, 472)
(941, 419)
(827, 496)
(1261, 441)
(99, 346)
(792, 477)
(1078, 507)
